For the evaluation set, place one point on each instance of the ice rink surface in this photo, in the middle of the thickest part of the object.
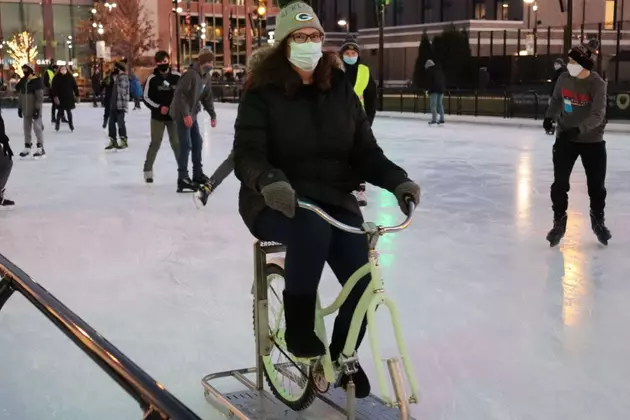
(500, 326)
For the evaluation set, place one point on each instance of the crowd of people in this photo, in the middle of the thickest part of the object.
(303, 130)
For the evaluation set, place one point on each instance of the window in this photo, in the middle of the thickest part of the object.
(479, 9)
(502, 9)
(609, 22)
(62, 15)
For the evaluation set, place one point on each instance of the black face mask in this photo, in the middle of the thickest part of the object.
(115, 71)
(27, 72)
(163, 67)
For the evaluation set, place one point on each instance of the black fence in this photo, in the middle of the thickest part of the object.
(522, 103)
(154, 400)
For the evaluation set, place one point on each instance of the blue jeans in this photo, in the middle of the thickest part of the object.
(436, 101)
(189, 140)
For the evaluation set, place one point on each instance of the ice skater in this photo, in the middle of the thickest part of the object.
(578, 105)
(30, 89)
(64, 90)
(158, 95)
(435, 84)
(118, 106)
(361, 80)
(6, 164)
(192, 91)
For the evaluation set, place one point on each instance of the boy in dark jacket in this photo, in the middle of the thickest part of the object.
(361, 80)
(578, 105)
(96, 86)
(435, 83)
(30, 89)
(118, 104)
(158, 95)
(6, 164)
(192, 91)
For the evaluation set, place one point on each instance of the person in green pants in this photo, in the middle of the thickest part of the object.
(158, 94)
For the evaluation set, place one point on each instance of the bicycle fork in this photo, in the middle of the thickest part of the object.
(400, 398)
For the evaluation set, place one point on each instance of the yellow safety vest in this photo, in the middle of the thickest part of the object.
(363, 79)
(51, 76)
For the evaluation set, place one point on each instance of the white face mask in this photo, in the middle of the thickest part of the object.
(574, 69)
(305, 56)
(557, 66)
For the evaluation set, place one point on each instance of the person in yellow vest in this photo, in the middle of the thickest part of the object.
(48, 79)
(360, 77)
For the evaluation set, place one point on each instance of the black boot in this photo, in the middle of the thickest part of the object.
(360, 379)
(186, 184)
(556, 233)
(599, 227)
(299, 315)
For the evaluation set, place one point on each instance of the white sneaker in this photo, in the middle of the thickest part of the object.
(148, 177)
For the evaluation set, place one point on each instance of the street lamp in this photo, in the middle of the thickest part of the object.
(110, 5)
(176, 10)
(261, 13)
(381, 49)
(344, 24)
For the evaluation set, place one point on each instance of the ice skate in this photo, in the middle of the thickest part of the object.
(4, 200)
(123, 143)
(186, 185)
(27, 151)
(361, 196)
(39, 152)
(556, 233)
(432, 123)
(202, 195)
(113, 144)
(599, 228)
(148, 177)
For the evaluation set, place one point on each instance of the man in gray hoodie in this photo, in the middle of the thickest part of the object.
(192, 91)
(578, 105)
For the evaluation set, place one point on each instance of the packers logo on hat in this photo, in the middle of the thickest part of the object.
(303, 17)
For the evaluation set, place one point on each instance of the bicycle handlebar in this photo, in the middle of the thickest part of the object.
(351, 229)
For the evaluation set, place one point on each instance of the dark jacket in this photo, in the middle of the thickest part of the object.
(64, 87)
(320, 142)
(192, 90)
(31, 94)
(556, 76)
(4, 140)
(369, 95)
(158, 92)
(107, 86)
(435, 81)
(96, 83)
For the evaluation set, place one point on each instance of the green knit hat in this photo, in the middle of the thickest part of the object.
(295, 15)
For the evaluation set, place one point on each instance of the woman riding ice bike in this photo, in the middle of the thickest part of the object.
(301, 132)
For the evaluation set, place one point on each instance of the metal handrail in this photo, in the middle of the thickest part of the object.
(155, 401)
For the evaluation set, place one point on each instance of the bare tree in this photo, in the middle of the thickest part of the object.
(127, 29)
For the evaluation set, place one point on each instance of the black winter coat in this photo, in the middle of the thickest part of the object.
(556, 76)
(369, 95)
(96, 83)
(320, 142)
(158, 92)
(435, 81)
(64, 87)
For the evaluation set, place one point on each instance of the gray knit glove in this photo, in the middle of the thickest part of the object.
(404, 192)
(280, 196)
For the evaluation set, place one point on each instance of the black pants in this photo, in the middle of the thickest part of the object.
(594, 161)
(106, 113)
(53, 115)
(117, 117)
(311, 242)
(60, 112)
